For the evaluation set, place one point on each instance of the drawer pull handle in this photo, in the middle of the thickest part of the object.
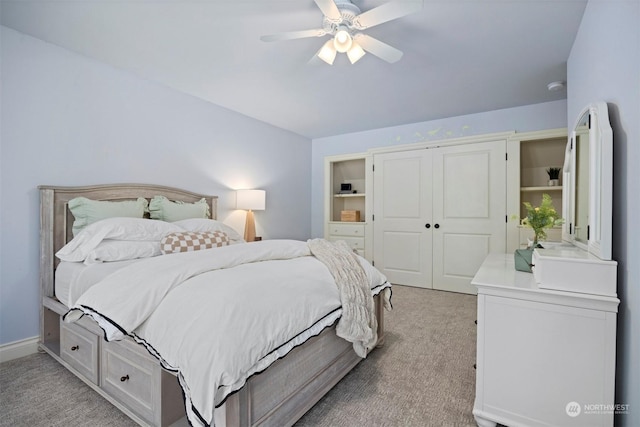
(75, 347)
(125, 378)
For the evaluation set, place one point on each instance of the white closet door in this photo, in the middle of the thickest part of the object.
(402, 207)
(469, 205)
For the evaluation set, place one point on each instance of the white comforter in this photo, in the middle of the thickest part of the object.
(218, 316)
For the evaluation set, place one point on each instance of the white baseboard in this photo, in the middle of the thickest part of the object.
(16, 349)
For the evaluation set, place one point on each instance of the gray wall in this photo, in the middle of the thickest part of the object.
(604, 65)
(69, 120)
(550, 115)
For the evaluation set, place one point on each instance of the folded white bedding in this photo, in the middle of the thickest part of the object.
(72, 279)
(218, 316)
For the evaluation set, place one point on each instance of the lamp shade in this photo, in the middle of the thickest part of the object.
(250, 199)
(328, 52)
(355, 53)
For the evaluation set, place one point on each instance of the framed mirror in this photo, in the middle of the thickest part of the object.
(588, 178)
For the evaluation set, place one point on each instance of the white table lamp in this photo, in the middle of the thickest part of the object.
(250, 200)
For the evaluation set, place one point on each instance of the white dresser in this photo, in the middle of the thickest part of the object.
(544, 357)
(352, 233)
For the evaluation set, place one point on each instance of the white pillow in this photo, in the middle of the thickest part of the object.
(130, 229)
(122, 250)
(210, 225)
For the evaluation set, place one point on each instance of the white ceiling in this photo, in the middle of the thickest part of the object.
(460, 56)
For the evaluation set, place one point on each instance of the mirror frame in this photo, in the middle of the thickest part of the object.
(600, 183)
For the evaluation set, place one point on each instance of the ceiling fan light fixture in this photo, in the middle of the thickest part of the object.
(342, 21)
(328, 52)
(355, 53)
(342, 40)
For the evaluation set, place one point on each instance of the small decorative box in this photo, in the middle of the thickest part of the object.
(350, 216)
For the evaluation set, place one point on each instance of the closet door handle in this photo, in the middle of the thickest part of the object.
(125, 378)
(437, 225)
(427, 225)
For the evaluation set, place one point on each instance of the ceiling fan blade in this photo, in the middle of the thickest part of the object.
(386, 12)
(292, 35)
(378, 48)
(330, 10)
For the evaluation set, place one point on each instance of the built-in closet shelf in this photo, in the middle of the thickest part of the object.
(542, 188)
(349, 195)
(530, 155)
(353, 171)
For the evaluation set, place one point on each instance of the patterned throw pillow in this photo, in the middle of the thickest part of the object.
(187, 241)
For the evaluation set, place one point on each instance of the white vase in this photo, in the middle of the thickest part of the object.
(553, 182)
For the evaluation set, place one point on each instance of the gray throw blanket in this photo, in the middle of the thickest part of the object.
(358, 323)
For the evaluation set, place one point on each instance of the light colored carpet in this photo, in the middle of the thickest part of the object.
(423, 376)
(37, 391)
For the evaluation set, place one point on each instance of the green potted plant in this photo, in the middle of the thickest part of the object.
(554, 176)
(539, 218)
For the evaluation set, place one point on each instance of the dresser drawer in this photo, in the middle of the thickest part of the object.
(353, 230)
(355, 243)
(79, 348)
(131, 378)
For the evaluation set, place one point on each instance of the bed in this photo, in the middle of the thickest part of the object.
(127, 373)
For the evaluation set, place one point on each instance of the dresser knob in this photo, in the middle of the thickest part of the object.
(125, 378)
(75, 347)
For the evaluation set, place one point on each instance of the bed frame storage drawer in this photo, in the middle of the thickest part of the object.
(131, 378)
(324, 346)
(80, 349)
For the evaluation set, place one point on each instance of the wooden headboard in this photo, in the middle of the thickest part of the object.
(56, 220)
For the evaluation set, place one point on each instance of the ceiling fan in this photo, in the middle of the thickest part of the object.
(344, 21)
